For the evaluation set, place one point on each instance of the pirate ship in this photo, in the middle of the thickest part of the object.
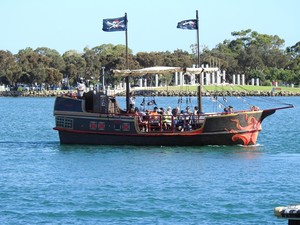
(96, 118)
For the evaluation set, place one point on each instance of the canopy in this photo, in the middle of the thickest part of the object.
(162, 70)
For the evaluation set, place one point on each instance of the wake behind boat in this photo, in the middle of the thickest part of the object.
(97, 119)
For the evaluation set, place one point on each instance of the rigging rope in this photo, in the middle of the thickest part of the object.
(262, 98)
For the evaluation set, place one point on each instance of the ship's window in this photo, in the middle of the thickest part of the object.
(64, 122)
(117, 124)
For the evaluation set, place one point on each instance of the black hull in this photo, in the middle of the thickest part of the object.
(148, 140)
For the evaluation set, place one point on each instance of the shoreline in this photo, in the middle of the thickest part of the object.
(153, 93)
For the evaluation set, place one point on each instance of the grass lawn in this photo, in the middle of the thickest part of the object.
(228, 88)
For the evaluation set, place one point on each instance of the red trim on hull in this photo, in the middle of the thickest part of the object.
(187, 133)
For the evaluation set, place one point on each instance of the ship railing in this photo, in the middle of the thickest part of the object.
(169, 123)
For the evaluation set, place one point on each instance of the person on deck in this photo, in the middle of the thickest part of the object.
(154, 114)
(228, 109)
(175, 112)
(195, 117)
(188, 110)
(196, 110)
(131, 102)
(187, 118)
(161, 111)
(143, 124)
(167, 118)
(80, 88)
(155, 118)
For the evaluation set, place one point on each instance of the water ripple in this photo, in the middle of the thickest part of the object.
(43, 182)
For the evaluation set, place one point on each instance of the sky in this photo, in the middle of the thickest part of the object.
(75, 24)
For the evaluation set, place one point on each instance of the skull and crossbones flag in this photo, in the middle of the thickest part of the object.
(188, 24)
(115, 24)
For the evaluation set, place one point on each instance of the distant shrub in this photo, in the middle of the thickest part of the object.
(266, 83)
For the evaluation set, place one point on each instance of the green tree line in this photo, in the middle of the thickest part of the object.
(255, 55)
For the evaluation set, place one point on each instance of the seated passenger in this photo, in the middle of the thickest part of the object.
(181, 121)
(143, 124)
(228, 109)
(185, 118)
(155, 118)
(154, 114)
(175, 111)
(188, 111)
(161, 111)
(167, 119)
(254, 108)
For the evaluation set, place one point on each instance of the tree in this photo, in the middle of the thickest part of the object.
(294, 63)
(114, 57)
(53, 76)
(33, 66)
(75, 66)
(227, 58)
(294, 55)
(149, 59)
(93, 64)
(250, 53)
(179, 58)
(10, 72)
(54, 59)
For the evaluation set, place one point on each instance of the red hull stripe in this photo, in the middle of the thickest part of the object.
(199, 131)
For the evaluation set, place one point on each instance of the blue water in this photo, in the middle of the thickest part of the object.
(43, 182)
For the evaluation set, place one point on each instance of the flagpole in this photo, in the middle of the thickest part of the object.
(198, 47)
(199, 77)
(126, 38)
(127, 78)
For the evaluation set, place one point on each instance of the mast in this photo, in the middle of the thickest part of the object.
(127, 78)
(198, 58)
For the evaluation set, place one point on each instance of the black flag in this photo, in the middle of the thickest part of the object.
(188, 24)
(115, 24)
